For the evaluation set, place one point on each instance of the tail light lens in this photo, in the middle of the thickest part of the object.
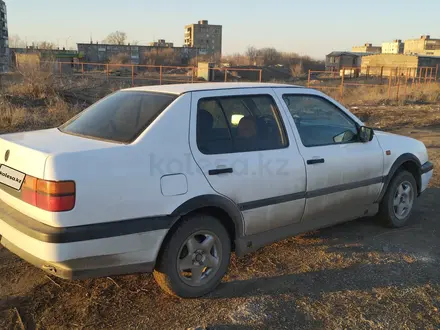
(54, 196)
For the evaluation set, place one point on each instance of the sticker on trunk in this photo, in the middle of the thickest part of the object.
(10, 177)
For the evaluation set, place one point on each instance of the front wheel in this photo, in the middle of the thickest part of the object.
(195, 259)
(397, 204)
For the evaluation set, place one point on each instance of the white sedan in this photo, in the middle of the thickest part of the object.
(172, 179)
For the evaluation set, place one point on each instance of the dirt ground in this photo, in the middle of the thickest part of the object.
(355, 275)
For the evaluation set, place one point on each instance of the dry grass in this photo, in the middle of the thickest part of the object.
(37, 83)
(392, 117)
(366, 95)
(362, 307)
(36, 99)
(381, 95)
(14, 118)
(425, 94)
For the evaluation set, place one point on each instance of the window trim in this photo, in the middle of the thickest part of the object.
(344, 114)
(233, 151)
(226, 120)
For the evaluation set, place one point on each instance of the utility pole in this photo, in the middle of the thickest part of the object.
(67, 40)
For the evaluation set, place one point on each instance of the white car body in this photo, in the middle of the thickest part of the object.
(129, 195)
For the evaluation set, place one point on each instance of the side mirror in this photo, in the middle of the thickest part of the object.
(365, 134)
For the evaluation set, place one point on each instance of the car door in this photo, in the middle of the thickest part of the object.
(344, 175)
(239, 140)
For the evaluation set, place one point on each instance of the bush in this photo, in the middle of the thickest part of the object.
(24, 117)
(37, 99)
(297, 69)
(163, 56)
(120, 58)
(37, 82)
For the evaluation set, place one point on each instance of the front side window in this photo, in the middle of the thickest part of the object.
(239, 124)
(120, 117)
(319, 122)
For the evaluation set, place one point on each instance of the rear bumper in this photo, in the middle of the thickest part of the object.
(96, 250)
(83, 268)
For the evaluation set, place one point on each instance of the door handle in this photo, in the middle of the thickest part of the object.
(220, 171)
(315, 161)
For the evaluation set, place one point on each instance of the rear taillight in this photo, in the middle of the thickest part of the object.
(54, 196)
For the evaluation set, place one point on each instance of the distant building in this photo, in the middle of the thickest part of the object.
(45, 53)
(4, 46)
(30, 54)
(405, 64)
(335, 61)
(366, 48)
(207, 38)
(161, 43)
(138, 54)
(424, 45)
(394, 47)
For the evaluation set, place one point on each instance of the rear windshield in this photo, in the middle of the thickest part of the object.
(119, 117)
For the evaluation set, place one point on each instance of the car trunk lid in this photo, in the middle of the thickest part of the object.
(26, 153)
(22, 158)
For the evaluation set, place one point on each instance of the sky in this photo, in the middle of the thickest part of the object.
(307, 27)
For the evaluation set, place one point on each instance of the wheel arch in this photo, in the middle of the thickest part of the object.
(218, 206)
(406, 161)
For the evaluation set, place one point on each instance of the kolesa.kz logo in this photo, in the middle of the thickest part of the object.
(10, 177)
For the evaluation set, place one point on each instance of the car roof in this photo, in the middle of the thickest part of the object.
(185, 88)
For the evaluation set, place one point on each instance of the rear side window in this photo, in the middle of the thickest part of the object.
(120, 117)
(239, 124)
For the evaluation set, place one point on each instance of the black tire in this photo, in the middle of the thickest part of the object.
(167, 273)
(387, 210)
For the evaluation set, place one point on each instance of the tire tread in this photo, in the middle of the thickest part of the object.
(166, 259)
(386, 217)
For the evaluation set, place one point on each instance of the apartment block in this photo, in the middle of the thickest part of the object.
(102, 53)
(4, 46)
(423, 46)
(366, 48)
(205, 37)
(394, 47)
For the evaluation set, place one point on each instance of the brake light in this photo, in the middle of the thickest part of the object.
(54, 196)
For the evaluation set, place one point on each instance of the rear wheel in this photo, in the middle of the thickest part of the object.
(397, 204)
(195, 258)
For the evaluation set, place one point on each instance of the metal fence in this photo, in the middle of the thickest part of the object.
(150, 74)
(394, 82)
(390, 82)
(238, 74)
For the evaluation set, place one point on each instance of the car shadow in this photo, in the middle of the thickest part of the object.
(229, 327)
(360, 277)
(10, 302)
